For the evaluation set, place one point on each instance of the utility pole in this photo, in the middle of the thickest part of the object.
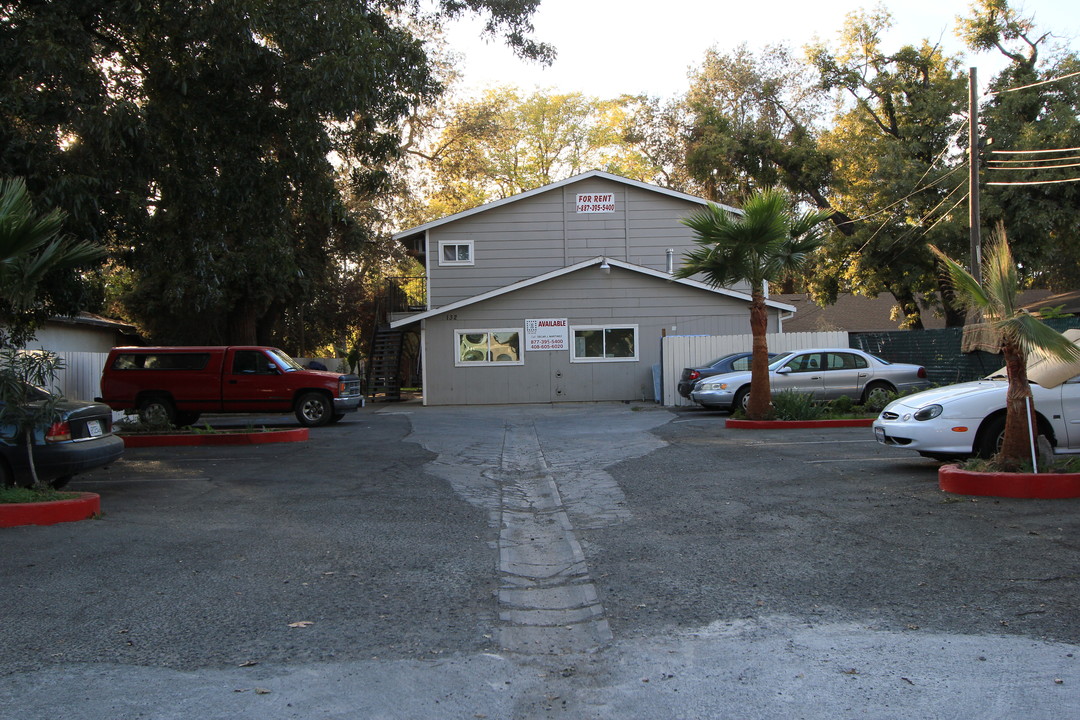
(973, 174)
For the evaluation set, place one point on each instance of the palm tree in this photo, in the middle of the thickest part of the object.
(31, 245)
(764, 244)
(1017, 333)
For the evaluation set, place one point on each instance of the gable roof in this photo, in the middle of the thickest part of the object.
(599, 260)
(554, 186)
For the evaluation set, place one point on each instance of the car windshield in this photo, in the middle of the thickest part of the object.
(283, 361)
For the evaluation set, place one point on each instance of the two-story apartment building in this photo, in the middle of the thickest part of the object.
(562, 294)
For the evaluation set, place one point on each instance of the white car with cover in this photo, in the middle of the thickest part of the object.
(968, 419)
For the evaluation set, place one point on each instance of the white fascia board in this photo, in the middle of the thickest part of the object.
(734, 294)
(553, 186)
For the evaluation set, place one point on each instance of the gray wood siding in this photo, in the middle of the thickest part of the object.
(544, 233)
(585, 297)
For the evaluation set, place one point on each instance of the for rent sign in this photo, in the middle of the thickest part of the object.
(596, 202)
(550, 334)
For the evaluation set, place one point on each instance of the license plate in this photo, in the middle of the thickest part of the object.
(879, 433)
(94, 427)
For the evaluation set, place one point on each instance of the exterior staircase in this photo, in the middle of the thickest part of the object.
(384, 365)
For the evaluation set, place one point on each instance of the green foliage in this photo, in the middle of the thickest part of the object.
(895, 167)
(1054, 313)
(1042, 116)
(31, 249)
(841, 405)
(502, 144)
(795, 405)
(33, 495)
(212, 144)
(751, 123)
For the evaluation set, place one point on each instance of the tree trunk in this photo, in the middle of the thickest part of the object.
(242, 326)
(1016, 447)
(760, 404)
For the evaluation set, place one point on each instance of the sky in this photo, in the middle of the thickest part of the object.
(610, 47)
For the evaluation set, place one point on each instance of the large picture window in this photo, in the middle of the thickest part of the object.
(456, 252)
(604, 343)
(488, 347)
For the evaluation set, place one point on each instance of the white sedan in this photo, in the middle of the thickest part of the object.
(959, 421)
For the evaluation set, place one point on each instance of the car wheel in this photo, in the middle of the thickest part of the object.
(157, 410)
(60, 482)
(742, 399)
(874, 387)
(313, 409)
(991, 437)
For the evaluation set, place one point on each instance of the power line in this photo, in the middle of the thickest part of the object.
(1025, 87)
(1037, 182)
(1032, 152)
(1036, 167)
(1034, 160)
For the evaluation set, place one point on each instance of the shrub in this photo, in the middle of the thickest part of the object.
(794, 405)
(841, 405)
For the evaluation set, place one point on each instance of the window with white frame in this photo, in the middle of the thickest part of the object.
(488, 347)
(604, 343)
(457, 252)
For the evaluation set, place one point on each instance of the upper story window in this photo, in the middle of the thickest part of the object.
(457, 252)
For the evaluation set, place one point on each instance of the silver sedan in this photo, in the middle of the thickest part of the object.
(825, 373)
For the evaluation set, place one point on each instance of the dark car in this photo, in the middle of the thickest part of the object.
(80, 438)
(734, 362)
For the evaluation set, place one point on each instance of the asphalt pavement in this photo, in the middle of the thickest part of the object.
(566, 561)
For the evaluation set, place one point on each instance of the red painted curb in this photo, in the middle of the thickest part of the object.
(1036, 486)
(87, 505)
(224, 438)
(796, 424)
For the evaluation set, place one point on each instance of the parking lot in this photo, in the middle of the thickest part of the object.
(578, 561)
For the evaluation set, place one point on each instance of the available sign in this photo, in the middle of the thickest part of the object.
(550, 334)
(596, 202)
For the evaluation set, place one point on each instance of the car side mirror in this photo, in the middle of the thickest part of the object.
(784, 370)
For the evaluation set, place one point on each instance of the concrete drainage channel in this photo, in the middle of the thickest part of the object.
(539, 474)
(546, 598)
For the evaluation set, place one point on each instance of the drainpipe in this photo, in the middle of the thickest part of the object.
(670, 261)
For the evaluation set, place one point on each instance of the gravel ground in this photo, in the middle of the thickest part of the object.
(752, 574)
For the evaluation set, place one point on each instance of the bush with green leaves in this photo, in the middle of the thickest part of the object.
(795, 405)
(842, 405)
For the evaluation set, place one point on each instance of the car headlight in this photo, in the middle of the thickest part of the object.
(714, 386)
(927, 413)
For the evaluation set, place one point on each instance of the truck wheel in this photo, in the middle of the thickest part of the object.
(157, 411)
(313, 409)
(183, 419)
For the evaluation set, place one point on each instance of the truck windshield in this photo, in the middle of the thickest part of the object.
(283, 361)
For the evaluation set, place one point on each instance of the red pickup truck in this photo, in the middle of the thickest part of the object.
(176, 384)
